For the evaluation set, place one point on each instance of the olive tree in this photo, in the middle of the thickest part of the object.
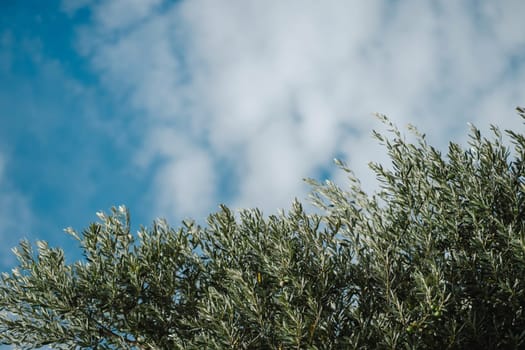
(434, 259)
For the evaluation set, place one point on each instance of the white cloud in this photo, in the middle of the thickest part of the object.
(277, 88)
(186, 186)
(186, 183)
(118, 14)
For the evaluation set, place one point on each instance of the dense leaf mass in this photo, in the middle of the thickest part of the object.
(435, 259)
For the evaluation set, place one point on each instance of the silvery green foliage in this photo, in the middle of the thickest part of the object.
(435, 259)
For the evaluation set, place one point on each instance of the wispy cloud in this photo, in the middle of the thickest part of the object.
(271, 91)
(55, 142)
(16, 218)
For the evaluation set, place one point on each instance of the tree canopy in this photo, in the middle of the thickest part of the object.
(434, 259)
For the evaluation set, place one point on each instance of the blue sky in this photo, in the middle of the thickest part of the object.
(172, 107)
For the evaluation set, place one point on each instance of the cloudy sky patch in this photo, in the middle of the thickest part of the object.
(172, 107)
